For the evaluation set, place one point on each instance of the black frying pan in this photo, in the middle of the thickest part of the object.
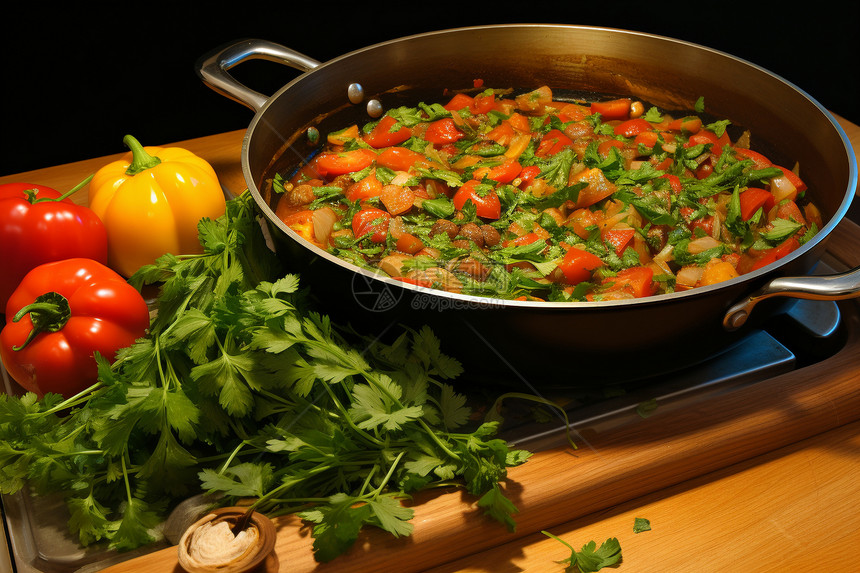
(546, 343)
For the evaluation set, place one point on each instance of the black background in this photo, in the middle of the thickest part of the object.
(77, 80)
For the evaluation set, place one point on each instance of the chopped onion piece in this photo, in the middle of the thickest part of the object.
(400, 178)
(812, 214)
(782, 188)
(396, 227)
(662, 258)
(702, 244)
(688, 276)
(434, 188)
(323, 223)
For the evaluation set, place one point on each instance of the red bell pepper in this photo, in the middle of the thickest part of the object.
(578, 265)
(443, 131)
(632, 127)
(553, 142)
(772, 255)
(707, 137)
(705, 224)
(528, 174)
(459, 101)
(612, 109)
(483, 104)
(604, 147)
(754, 198)
(365, 188)
(690, 124)
(635, 281)
(759, 160)
(39, 225)
(373, 222)
(401, 159)
(674, 182)
(502, 173)
(526, 239)
(647, 138)
(59, 316)
(383, 133)
(346, 162)
(618, 239)
(487, 205)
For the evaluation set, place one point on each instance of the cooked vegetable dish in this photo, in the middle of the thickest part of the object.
(524, 196)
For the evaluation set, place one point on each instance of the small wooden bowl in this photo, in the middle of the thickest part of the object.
(250, 559)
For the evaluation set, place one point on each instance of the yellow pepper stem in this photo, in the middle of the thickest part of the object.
(140, 159)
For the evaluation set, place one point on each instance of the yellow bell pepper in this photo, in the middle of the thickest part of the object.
(151, 201)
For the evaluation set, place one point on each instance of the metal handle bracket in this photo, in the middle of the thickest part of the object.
(213, 68)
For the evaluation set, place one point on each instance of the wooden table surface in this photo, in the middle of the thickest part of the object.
(761, 479)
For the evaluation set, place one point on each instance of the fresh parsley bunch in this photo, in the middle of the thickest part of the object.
(242, 389)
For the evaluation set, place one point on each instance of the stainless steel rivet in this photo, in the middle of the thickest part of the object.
(355, 93)
(374, 108)
(739, 318)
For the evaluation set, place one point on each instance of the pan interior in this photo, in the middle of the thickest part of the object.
(785, 122)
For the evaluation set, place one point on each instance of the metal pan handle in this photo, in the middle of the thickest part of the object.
(213, 68)
(839, 286)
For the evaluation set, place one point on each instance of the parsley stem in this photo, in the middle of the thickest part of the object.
(439, 442)
(125, 474)
(285, 486)
(79, 398)
(231, 457)
(367, 479)
(389, 473)
(158, 362)
(79, 453)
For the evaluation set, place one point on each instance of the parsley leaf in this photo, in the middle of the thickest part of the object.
(641, 524)
(590, 558)
(562, 196)
(780, 229)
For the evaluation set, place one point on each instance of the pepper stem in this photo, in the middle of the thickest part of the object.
(33, 198)
(140, 159)
(49, 313)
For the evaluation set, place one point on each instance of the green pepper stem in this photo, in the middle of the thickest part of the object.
(140, 159)
(33, 199)
(49, 313)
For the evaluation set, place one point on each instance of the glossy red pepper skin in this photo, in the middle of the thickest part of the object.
(104, 313)
(37, 227)
(487, 205)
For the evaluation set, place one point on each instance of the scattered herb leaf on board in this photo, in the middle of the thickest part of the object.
(590, 558)
(242, 389)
